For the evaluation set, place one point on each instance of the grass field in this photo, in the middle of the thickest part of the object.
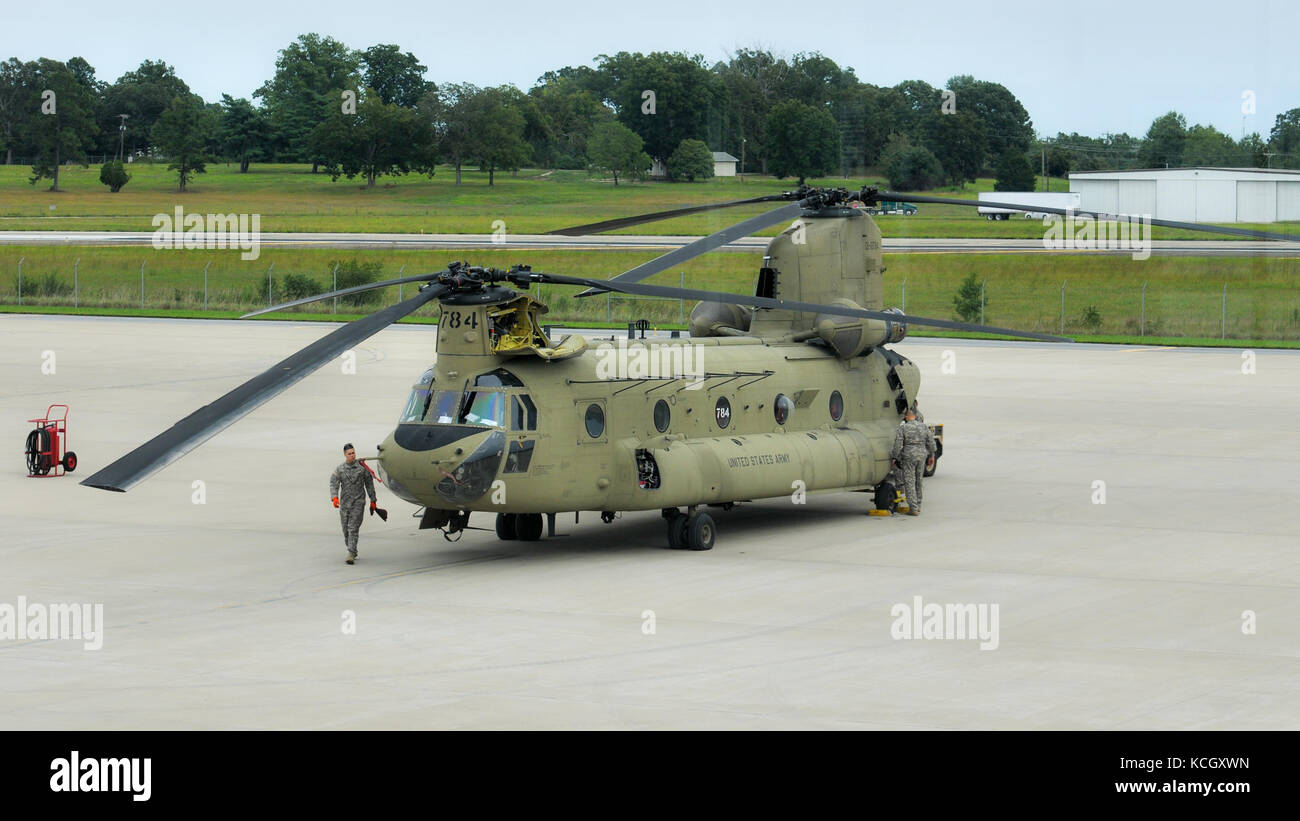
(290, 198)
(1184, 295)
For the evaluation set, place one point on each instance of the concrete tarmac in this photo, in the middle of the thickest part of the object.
(1173, 604)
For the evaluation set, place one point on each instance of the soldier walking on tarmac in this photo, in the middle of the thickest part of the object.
(349, 484)
(913, 452)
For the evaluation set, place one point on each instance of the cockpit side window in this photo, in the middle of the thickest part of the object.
(523, 413)
(417, 405)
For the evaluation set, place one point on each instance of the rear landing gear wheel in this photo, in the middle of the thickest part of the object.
(507, 527)
(528, 526)
(700, 532)
(676, 531)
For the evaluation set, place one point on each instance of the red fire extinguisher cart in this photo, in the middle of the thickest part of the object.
(47, 446)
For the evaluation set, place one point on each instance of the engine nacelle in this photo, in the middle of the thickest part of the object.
(720, 319)
(849, 336)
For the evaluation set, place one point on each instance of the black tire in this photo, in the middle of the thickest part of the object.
(507, 527)
(928, 472)
(885, 495)
(528, 526)
(677, 531)
(700, 532)
(38, 463)
(69, 461)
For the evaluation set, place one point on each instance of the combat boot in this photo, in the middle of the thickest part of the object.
(352, 557)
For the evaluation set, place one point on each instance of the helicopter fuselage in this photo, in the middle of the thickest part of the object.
(642, 425)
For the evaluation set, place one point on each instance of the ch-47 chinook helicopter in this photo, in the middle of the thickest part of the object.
(794, 384)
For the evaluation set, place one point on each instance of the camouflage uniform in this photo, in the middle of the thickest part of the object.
(355, 483)
(913, 446)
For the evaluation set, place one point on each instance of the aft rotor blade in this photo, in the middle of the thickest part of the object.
(356, 289)
(678, 256)
(207, 421)
(1186, 226)
(789, 305)
(640, 219)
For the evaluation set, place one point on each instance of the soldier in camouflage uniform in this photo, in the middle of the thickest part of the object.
(349, 484)
(912, 452)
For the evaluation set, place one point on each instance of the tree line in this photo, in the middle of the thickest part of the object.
(370, 113)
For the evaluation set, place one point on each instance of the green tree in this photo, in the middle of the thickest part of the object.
(1014, 172)
(909, 167)
(497, 132)
(802, 141)
(244, 132)
(1164, 142)
(311, 74)
(958, 141)
(686, 97)
(395, 76)
(379, 139)
(182, 135)
(1206, 145)
(449, 113)
(616, 149)
(65, 125)
(691, 159)
(1059, 161)
(143, 95)
(572, 112)
(1005, 121)
(114, 175)
(969, 299)
(754, 80)
(1252, 152)
(1284, 139)
(17, 90)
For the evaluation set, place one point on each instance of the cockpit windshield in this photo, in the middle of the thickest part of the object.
(483, 404)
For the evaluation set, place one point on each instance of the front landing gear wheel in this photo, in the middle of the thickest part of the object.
(528, 526)
(507, 527)
(700, 532)
(885, 496)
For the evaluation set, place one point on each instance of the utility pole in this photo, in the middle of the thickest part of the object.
(121, 136)
(1045, 185)
(742, 158)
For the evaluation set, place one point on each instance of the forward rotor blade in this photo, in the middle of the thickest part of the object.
(356, 289)
(703, 245)
(640, 219)
(1186, 226)
(207, 421)
(789, 305)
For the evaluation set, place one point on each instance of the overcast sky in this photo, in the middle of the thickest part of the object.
(1089, 67)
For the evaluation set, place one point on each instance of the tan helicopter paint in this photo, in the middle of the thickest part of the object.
(697, 460)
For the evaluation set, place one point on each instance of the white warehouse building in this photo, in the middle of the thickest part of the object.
(1193, 194)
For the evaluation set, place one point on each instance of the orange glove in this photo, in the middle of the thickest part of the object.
(336, 501)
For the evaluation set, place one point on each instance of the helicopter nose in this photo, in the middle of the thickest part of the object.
(467, 477)
(459, 461)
